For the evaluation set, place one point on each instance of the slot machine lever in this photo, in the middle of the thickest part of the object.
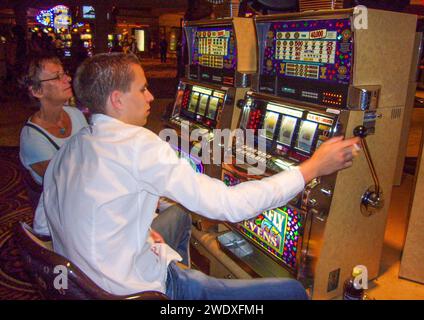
(372, 200)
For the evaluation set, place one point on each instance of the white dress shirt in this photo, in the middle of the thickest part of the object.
(101, 191)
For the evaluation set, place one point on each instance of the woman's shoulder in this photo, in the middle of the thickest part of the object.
(78, 118)
(30, 135)
(74, 113)
(29, 123)
(72, 110)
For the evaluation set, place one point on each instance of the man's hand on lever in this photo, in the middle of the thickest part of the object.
(333, 155)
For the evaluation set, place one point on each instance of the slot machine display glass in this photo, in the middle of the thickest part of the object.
(308, 60)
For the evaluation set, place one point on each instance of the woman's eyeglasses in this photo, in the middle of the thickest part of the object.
(59, 76)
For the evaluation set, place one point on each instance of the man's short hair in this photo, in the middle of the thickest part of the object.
(97, 77)
(31, 76)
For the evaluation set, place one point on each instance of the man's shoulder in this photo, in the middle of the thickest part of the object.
(131, 134)
(145, 134)
(141, 139)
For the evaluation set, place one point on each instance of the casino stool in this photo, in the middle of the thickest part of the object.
(40, 261)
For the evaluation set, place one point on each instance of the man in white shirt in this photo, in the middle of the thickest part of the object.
(53, 125)
(101, 191)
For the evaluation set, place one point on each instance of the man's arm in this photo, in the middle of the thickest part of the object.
(166, 175)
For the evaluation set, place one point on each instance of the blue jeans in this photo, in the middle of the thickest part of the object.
(195, 285)
(174, 225)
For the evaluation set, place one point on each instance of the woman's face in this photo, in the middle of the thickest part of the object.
(55, 83)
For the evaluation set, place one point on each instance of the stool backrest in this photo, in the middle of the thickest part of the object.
(58, 278)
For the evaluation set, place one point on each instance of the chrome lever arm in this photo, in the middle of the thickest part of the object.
(372, 200)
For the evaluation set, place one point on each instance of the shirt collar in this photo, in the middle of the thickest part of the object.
(100, 118)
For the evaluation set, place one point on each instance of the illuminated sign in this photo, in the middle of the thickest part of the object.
(288, 111)
(88, 12)
(318, 34)
(319, 119)
(270, 226)
(140, 39)
(62, 18)
(45, 17)
(202, 90)
(57, 17)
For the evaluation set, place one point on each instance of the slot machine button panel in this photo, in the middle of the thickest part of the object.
(312, 202)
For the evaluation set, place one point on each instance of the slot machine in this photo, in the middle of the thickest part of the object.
(413, 250)
(321, 74)
(87, 39)
(67, 46)
(222, 63)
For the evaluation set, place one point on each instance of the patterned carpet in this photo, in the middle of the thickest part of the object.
(14, 207)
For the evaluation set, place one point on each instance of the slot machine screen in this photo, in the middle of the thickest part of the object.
(277, 231)
(203, 104)
(306, 136)
(213, 54)
(309, 60)
(288, 125)
(280, 123)
(324, 127)
(270, 123)
(313, 131)
(198, 104)
(213, 106)
(193, 102)
(214, 47)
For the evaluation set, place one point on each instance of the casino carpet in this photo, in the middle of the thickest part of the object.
(14, 207)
